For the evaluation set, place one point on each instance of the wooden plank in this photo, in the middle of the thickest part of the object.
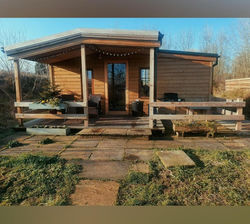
(84, 82)
(51, 116)
(18, 88)
(198, 117)
(198, 104)
(70, 104)
(122, 42)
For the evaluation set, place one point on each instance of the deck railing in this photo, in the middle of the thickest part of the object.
(49, 115)
(191, 106)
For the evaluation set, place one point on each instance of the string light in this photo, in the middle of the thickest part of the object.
(108, 53)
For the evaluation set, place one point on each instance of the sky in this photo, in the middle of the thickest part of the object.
(39, 27)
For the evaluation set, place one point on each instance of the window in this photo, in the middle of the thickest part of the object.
(90, 76)
(144, 82)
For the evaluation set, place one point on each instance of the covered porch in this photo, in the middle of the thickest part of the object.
(122, 67)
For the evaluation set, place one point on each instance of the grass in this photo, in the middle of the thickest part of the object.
(36, 179)
(219, 178)
(46, 141)
(13, 144)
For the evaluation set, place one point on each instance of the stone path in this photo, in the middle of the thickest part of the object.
(95, 192)
(106, 161)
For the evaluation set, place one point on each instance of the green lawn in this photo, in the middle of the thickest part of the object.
(36, 180)
(220, 178)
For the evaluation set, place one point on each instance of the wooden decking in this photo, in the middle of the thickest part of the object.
(107, 126)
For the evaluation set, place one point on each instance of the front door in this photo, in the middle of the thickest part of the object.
(116, 83)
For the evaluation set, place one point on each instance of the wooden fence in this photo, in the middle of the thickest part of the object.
(191, 106)
(232, 84)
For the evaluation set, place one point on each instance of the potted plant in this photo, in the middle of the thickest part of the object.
(50, 98)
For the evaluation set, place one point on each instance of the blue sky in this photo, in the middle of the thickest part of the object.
(39, 27)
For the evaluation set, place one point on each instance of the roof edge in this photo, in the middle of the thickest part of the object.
(192, 53)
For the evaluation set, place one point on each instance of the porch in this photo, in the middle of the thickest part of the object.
(123, 67)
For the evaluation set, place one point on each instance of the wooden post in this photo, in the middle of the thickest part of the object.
(51, 74)
(18, 88)
(151, 86)
(84, 83)
(239, 112)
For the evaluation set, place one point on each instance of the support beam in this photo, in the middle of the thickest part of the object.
(84, 83)
(151, 86)
(51, 74)
(239, 112)
(18, 88)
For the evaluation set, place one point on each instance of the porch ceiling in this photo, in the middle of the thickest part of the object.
(75, 51)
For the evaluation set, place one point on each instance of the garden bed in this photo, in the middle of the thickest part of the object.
(182, 127)
(48, 130)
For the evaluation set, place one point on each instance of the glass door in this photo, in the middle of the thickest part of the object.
(117, 86)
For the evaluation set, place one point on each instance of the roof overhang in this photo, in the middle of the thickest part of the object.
(136, 38)
(199, 56)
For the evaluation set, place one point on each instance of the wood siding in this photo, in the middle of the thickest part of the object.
(189, 78)
(232, 84)
(66, 75)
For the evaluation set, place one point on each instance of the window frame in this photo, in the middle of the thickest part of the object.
(140, 96)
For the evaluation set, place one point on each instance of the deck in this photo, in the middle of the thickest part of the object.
(106, 125)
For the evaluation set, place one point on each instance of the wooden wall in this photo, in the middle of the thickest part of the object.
(232, 84)
(191, 79)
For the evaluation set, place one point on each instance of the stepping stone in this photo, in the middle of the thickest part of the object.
(103, 170)
(95, 192)
(140, 167)
(138, 154)
(175, 158)
(107, 154)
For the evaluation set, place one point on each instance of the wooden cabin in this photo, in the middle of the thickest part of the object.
(120, 66)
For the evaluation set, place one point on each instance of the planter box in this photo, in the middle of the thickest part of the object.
(46, 106)
(48, 131)
(183, 129)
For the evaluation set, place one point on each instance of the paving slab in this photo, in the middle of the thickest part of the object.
(115, 131)
(140, 167)
(85, 143)
(95, 192)
(85, 155)
(108, 154)
(138, 154)
(91, 131)
(103, 170)
(175, 158)
(112, 143)
(140, 144)
(139, 132)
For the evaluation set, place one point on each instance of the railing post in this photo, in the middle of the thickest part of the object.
(239, 112)
(151, 87)
(18, 88)
(84, 84)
